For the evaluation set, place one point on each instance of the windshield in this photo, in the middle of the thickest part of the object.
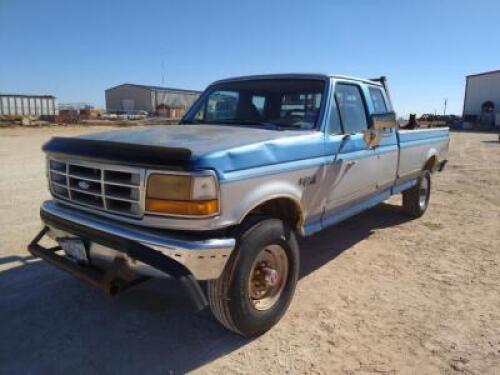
(276, 103)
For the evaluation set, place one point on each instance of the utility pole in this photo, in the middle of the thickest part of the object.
(163, 72)
(445, 104)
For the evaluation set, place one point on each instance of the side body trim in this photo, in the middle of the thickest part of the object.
(351, 210)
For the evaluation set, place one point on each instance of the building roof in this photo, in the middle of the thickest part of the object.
(28, 95)
(484, 73)
(157, 88)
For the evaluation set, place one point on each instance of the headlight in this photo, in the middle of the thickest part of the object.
(182, 195)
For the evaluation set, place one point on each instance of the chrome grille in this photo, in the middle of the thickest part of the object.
(111, 188)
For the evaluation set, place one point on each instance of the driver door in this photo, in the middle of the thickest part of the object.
(351, 174)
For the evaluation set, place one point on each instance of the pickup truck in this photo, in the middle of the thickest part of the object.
(217, 202)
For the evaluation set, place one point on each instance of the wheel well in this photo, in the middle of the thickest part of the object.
(285, 209)
(430, 164)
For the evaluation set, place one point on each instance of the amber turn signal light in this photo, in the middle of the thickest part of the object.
(190, 208)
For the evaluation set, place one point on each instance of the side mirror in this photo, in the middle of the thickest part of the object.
(383, 121)
(378, 123)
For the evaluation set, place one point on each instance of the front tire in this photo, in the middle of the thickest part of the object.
(258, 283)
(416, 199)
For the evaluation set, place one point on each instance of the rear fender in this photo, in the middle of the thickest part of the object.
(431, 160)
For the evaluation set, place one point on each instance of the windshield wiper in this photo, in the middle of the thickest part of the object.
(242, 121)
(189, 122)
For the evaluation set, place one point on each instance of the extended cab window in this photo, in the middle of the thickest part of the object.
(378, 100)
(259, 102)
(351, 108)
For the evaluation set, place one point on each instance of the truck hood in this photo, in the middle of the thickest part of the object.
(223, 148)
(199, 139)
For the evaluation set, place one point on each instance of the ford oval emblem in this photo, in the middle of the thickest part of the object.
(83, 185)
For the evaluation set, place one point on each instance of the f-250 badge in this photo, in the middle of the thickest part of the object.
(307, 180)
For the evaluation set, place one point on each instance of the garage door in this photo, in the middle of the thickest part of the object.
(128, 105)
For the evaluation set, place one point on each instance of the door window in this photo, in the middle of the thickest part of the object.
(351, 108)
(259, 102)
(378, 100)
(335, 127)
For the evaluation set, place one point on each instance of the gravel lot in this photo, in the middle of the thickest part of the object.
(378, 294)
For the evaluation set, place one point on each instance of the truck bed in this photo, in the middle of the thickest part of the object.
(418, 146)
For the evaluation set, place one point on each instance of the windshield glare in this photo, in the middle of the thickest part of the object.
(287, 103)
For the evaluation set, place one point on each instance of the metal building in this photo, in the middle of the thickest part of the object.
(482, 100)
(131, 98)
(27, 105)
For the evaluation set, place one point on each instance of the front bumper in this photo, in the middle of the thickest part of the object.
(204, 257)
(181, 256)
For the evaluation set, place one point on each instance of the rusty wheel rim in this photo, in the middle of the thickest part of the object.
(268, 277)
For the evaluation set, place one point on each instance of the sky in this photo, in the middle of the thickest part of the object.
(77, 49)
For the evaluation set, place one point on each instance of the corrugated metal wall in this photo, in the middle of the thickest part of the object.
(174, 99)
(480, 89)
(128, 98)
(21, 105)
(131, 99)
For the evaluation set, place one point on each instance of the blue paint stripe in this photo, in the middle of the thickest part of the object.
(299, 164)
(273, 169)
(408, 144)
(305, 163)
(415, 135)
(381, 150)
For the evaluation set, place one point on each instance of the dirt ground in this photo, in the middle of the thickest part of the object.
(379, 293)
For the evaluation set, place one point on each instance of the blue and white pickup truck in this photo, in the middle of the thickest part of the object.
(221, 197)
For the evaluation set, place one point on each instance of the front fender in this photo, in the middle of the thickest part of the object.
(246, 195)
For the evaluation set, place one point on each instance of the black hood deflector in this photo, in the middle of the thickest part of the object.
(128, 153)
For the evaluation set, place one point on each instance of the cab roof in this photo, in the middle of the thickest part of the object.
(318, 76)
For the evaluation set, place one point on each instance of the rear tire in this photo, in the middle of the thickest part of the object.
(258, 282)
(416, 199)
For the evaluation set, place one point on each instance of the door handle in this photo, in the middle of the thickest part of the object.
(350, 163)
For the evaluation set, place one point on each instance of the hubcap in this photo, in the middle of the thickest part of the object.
(268, 277)
(423, 193)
